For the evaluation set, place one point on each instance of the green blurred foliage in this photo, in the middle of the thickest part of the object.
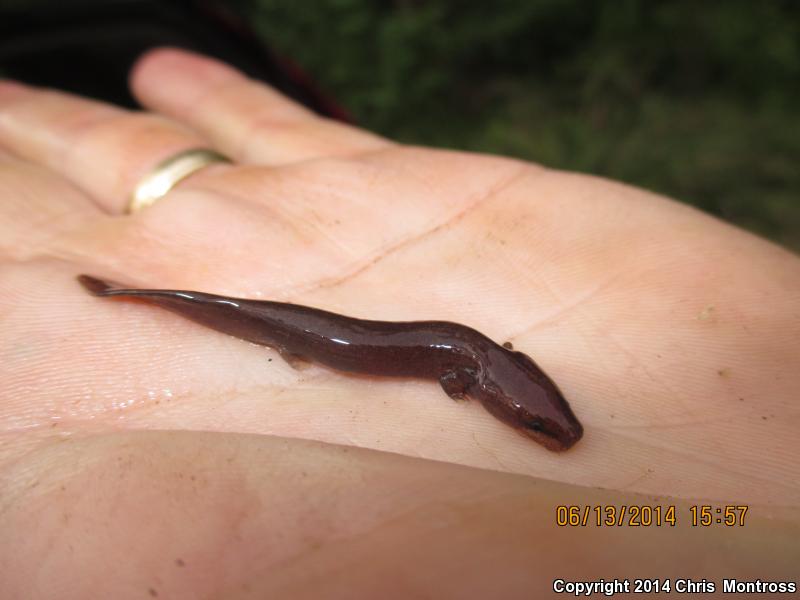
(695, 100)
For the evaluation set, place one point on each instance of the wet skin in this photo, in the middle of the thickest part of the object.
(464, 361)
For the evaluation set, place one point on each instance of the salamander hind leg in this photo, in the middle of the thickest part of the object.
(295, 361)
(456, 383)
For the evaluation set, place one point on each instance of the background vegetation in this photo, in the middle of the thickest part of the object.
(696, 100)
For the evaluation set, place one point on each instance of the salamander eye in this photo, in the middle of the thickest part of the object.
(536, 426)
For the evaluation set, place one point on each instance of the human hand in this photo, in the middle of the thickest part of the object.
(672, 335)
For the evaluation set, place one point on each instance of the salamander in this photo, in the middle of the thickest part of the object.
(466, 363)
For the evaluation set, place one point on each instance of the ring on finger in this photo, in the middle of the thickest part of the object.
(168, 173)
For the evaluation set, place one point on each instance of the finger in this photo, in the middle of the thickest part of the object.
(102, 149)
(300, 519)
(36, 207)
(247, 120)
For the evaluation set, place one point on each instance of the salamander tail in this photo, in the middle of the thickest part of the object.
(98, 287)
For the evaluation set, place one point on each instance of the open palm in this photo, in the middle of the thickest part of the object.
(672, 335)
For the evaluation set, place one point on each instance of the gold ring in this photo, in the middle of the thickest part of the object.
(163, 177)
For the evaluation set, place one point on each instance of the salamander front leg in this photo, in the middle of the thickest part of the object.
(456, 382)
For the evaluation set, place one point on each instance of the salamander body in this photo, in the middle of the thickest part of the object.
(464, 361)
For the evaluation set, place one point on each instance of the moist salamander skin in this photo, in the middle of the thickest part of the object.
(465, 362)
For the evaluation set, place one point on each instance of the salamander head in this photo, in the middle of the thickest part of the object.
(517, 392)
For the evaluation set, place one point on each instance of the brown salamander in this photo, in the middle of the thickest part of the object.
(464, 361)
